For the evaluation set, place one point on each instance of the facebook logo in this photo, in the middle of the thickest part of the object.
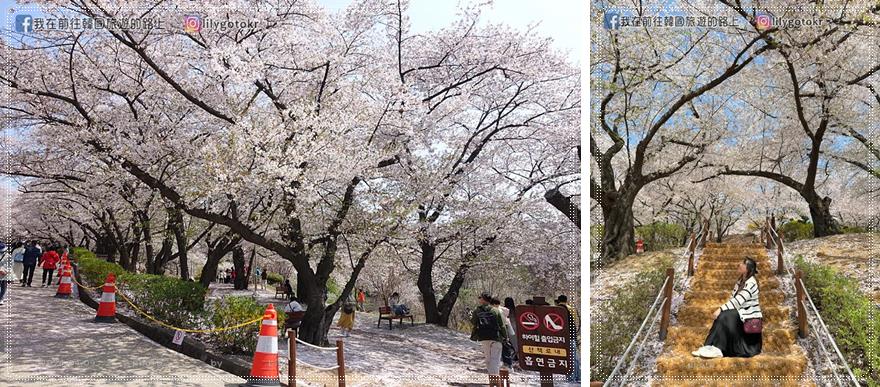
(612, 21)
(24, 23)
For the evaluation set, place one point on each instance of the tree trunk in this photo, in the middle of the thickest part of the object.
(238, 263)
(181, 239)
(824, 223)
(618, 239)
(425, 283)
(315, 323)
(216, 252)
(444, 307)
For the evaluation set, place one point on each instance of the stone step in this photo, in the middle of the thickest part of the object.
(700, 315)
(788, 367)
(727, 283)
(765, 297)
(731, 275)
(775, 339)
(763, 266)
(708, 381)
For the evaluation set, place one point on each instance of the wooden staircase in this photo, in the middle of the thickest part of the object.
(782, 361)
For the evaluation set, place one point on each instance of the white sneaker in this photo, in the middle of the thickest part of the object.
(699, 350)
(712, 352)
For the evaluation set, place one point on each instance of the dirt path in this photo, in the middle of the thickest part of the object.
(53, 341)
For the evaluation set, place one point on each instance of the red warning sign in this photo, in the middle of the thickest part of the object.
(553, 322)
(529, 321)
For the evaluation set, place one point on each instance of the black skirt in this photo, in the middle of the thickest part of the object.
(728, 335)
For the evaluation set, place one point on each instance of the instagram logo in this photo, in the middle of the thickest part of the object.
(762, 21)
(192, 23)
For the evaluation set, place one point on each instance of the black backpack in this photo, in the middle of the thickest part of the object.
(487, 324)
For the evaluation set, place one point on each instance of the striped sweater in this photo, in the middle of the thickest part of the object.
(745, 302)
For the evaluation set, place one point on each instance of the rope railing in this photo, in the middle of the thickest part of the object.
(292, 360)
(651, 310)
(307, 344)
(802, 314)
(632, 364)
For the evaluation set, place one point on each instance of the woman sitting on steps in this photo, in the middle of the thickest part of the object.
(728, 336)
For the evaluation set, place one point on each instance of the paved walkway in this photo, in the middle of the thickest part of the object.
(51, 341)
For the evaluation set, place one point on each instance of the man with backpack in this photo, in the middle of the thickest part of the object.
(489, 330)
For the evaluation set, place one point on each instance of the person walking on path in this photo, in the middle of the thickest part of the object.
(18, 261)
(361, 299)
(346, 319)
(507, 350)
(48, 262)
(31, 255)
(288, 289)
(6, 275)
(264, 278)
(573, 339)
(488, 329)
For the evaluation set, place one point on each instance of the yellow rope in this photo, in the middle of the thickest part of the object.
(72, 278)
(147, 315)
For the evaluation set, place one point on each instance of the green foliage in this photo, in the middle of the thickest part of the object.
(333, 291)
(274, 278)
(846, 312)
(620, 318)
(796, 230)
(852, 229)
(171, 300)
(94, 270)
(233, 310)
(659, 236)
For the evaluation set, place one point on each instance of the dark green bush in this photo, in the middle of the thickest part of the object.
(620, 318)
(796, 230)
(659, 236)
(846, 312)
(233, 310)
(274, 278)
(171, 300)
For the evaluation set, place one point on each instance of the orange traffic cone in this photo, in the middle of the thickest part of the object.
(107, 307)
(64, 289)
(264, 371)
(64, 262)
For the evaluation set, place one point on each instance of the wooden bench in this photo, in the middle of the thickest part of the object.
(282, 290)
(386, 314)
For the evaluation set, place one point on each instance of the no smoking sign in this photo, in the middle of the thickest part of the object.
(529, 321)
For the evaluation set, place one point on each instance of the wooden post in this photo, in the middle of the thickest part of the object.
(291, 357)
(691, 264)
(667, 303)
(340, 361)
(801, 312)
(780, 265)
(505, 378)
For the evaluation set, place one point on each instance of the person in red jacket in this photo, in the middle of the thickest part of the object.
(48, 262)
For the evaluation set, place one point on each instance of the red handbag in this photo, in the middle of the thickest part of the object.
(753, 325)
